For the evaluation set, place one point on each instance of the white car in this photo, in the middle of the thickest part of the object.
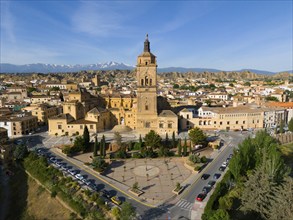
(79, 176)
(225, 164)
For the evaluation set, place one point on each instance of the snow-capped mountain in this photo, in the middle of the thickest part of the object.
(55, 68)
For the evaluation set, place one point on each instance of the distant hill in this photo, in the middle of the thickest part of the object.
(56, 68)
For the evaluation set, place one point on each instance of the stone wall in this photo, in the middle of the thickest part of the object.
(285, 138)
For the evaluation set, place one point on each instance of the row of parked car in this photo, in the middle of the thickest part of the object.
(77, 175)
(201, 196)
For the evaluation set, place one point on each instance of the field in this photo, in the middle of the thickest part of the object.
(28, 200)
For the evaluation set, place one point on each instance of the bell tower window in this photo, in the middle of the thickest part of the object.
(146, 81)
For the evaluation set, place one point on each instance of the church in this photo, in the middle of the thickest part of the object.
(103, 112)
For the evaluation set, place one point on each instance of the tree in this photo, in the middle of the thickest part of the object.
(258, 193)
(175, 86)
(272, 98)
(116, 212)
(127, 211)
(79, 143)
(220, 214)
(20, 152)
(96, 147)
(135, 186)
(290, 125)
(179, 148)
(86, 137)
(167, 140)
(152, 139)
(99, 163)
(185, 148)
(247, 84)
(103, 146)
(118, 139)
(197, 136)
(173, 140)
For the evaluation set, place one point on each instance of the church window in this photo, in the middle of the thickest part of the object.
(150, 82)
(146, 63)
(146, 107)
(146, 81)
(169, 125)
(142, 82)
(161, 125)
(147, 124)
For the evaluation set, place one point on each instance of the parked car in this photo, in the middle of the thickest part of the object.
(79, 176)
(217, 176)
(206, 189)
(211, 183)
(222, 168)
(106, 194)
(116, 200)
(230, 156)
(224, 164)
(205, 176)
(72, 172)
(201, 196)
(93, 186)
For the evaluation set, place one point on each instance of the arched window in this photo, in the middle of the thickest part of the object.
(146, 80)
(141, 82)
(150, 82)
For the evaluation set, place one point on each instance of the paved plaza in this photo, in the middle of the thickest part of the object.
(156, 177)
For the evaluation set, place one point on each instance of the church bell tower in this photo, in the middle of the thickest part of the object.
(146, 75)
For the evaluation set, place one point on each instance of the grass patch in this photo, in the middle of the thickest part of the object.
(29, 200)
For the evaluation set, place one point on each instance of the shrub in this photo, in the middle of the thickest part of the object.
(203, 159)
(197, 168)
(53, 194)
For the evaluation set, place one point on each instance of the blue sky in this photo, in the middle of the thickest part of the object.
(226, 35)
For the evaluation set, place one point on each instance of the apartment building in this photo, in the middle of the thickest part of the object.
(19, 124)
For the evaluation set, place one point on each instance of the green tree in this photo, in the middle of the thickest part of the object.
(258, 193)
(116, 212)
(185, 148)
(175, 86)
(272, 98)
(99, 163)
(179, 148)
(152, 139)
(290, 125)
(247, 84)
(167, 140)
(173, 140)
(79, 143)
(103, 146)
(86, 138)
(20, 152)
(197, 136)
(220, 214)
(127, 211)
(96, 147)
(282, 206)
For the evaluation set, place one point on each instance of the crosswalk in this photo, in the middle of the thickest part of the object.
(184, 204)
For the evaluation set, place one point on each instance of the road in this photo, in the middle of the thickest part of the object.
(185, 208)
